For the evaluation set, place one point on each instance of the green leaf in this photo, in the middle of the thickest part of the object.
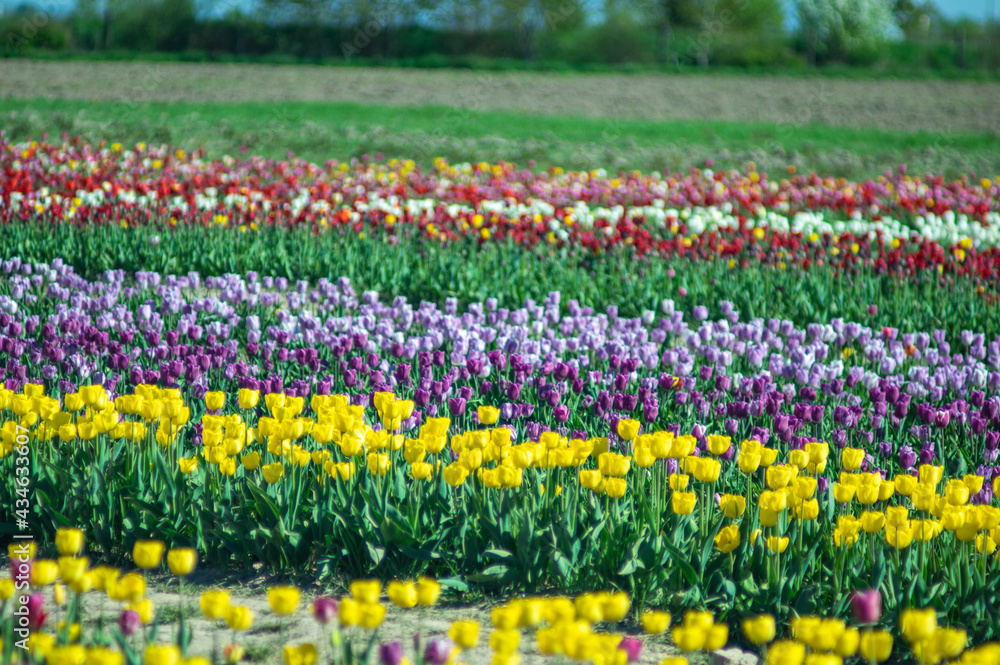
(377, 554)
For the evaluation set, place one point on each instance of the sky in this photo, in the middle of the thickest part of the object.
(957, 8)
(951, 9)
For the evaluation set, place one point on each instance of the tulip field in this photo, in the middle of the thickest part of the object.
(730, 408)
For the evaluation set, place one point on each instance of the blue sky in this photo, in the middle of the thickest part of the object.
(976, 9)
(957, 8)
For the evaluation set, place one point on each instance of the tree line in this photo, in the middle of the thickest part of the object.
(515, 33)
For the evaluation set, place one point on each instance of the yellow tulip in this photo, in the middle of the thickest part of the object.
(73, 402)
(44, 572)
(428, 591)
(72, 568)
(875, 646)
(273, 472)
(40, 645)
(708, 470)
(59, 594)
(776, 544)
(69, 542)
(250, 461)
(643, 457)
(732, 505)
(956, 492)
(930, 474)
(370, 615)
(718, 444)
(872, 522)
(806, 511)
(506, 617)
(455, 474)
(103, 576)
(215, 400)
(778, 476)
(505, 642)
(628, 428)
(614, 606)
(283, 600)
(899, 538)
(798, 458)
(214, 604)
(847, 644)
(851, 458)
(147, 554)
(786, 652)
(182, 560)
(682, 503)
(247, 398)
(973, 482)
(488, 414)
(728, 538)
(823, 659)
(239, 617)
(759, 630)
(464, 634)
(917, 625)
(654, 623)
(349, 612)
(366, 591)
(422, 470)
(613, 464)
(402, 594)
(867, 494)
(145, 609)
(843, 493)
(378, 463)
(905, 484)
(93, 395)
(748, 462)
(304, 654)
(82, 584)
(678, 481)
(615, 487)
(233, 653)
(689, 639)
(156, 654)
(103, 656)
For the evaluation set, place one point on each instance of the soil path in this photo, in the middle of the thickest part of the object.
(959, 106)
(264, 640)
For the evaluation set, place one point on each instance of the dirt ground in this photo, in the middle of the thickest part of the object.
(960, 106)
(268, 634)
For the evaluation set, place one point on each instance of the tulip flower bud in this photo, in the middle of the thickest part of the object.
(129, 621)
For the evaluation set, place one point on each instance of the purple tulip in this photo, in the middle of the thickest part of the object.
(324, 610)
(437, 652)
(632, 648)
(390, 654)
(129, 622)
(867, 606)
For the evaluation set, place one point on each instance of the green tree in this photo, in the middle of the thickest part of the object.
(844, 29)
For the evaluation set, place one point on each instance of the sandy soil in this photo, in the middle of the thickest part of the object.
(958, 106)
(264, 640)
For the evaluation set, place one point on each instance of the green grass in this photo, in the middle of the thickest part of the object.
(323, 131)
